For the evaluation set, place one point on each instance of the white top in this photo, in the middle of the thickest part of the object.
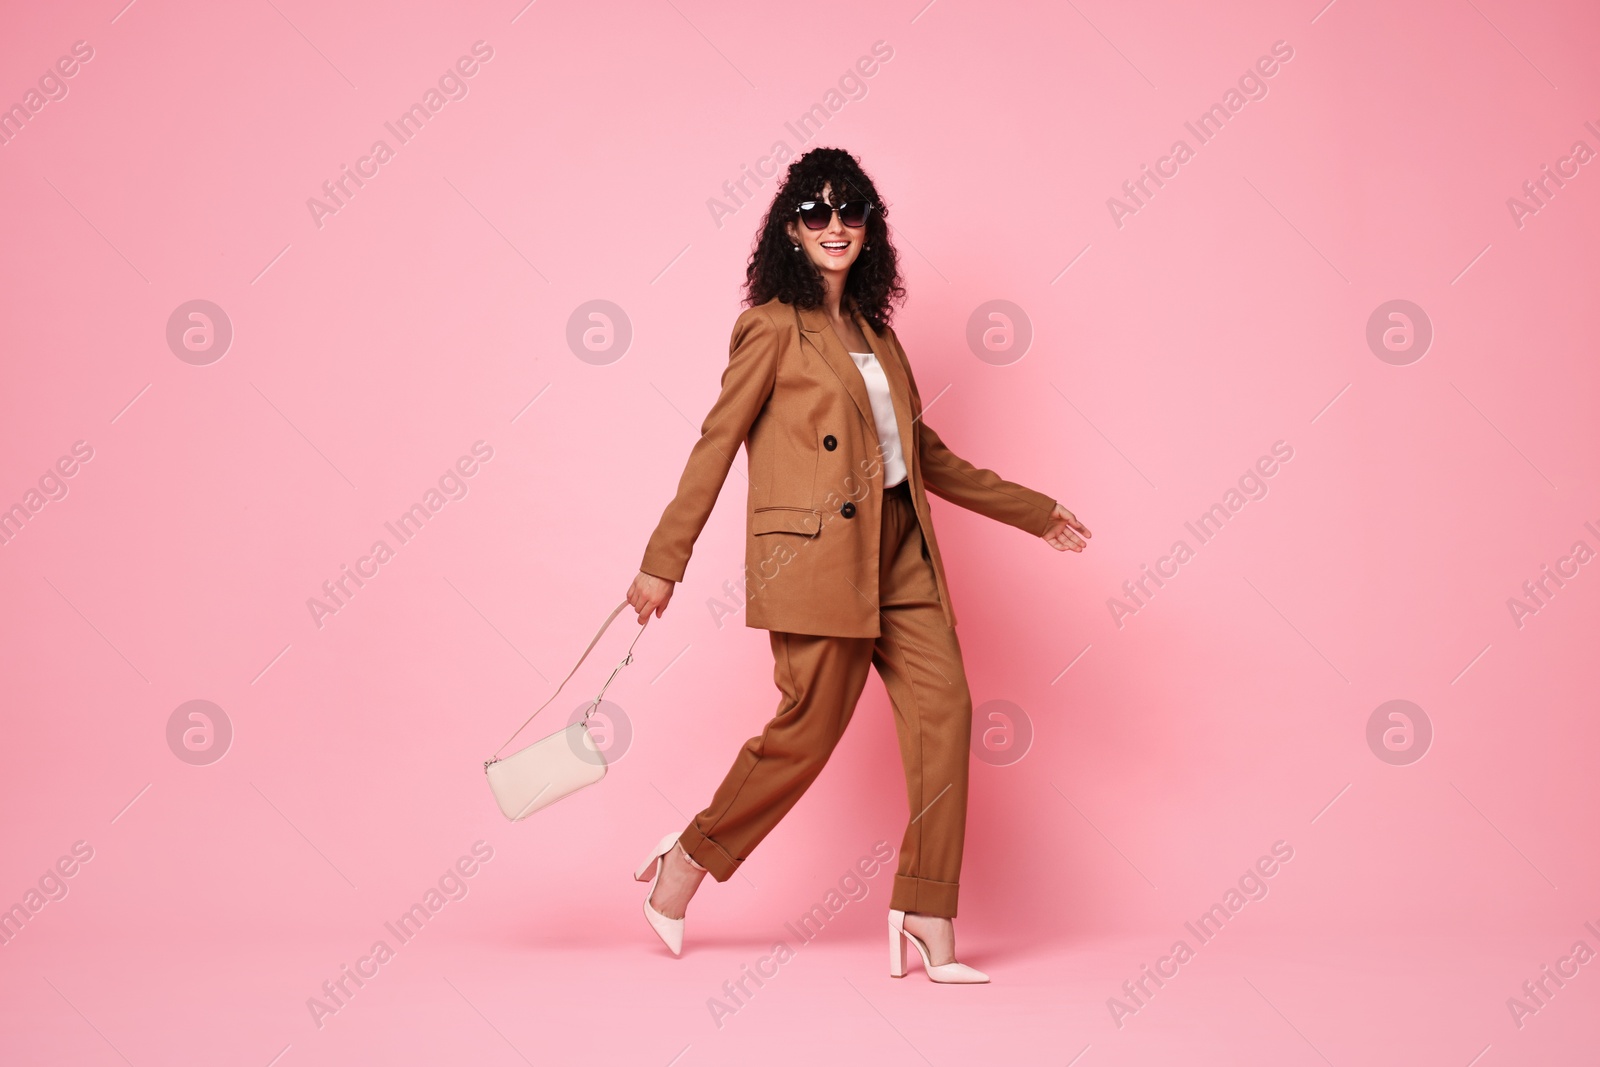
(894, 464)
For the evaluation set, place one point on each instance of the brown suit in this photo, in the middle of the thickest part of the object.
(811, 563)
(846, 575)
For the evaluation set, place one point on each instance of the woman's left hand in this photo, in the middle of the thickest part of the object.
(1062, 533)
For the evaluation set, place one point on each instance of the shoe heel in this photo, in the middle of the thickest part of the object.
(643, 873)
(897, 951)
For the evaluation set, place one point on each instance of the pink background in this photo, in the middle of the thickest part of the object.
(369, 353)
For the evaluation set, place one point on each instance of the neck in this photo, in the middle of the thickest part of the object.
(834, 299)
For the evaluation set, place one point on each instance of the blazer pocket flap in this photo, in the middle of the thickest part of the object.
(786, 520)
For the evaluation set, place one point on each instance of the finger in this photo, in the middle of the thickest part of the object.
(1067, 517)
(1061, 537)
(1066, 542)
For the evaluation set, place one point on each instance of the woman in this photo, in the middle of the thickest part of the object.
(841, 561)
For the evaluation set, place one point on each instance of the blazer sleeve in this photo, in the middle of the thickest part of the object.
(947, 475)
(747, 382)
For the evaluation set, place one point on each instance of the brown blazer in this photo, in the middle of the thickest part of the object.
(794, 397)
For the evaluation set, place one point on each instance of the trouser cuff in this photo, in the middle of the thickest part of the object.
(708, 854)
(924, 896)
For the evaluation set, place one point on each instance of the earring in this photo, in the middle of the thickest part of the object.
(795, 247)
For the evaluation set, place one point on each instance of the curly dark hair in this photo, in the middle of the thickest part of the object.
(873, 284)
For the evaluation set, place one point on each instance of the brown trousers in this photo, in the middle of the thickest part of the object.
(820, 679)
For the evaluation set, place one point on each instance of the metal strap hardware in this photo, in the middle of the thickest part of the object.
(627, 659)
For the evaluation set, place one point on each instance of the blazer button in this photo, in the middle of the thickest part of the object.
(830, 442)
(849, 510)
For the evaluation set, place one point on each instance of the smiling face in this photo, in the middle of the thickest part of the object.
(834, 247)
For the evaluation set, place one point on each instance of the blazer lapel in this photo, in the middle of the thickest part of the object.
(814, 325)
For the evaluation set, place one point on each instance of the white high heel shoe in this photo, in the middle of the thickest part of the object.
(669, 930)
(952, 973)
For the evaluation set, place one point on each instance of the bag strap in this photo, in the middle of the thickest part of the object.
(627, 659)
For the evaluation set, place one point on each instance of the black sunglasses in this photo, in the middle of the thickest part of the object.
(816, 214)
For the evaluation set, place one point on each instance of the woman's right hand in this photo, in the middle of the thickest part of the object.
(649, 594)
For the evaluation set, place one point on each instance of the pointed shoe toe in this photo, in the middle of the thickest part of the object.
(956, 974)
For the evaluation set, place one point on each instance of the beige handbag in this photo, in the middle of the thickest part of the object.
(559, 765)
